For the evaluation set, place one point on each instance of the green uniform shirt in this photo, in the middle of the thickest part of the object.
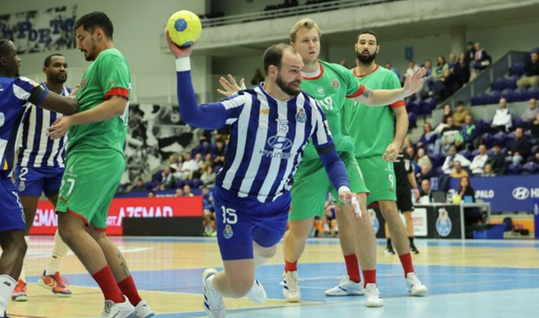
(372, 127)
(331, 88)
(107, 76)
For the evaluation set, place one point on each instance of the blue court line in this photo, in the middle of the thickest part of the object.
(507, 243)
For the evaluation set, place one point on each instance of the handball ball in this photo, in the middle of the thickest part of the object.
(184, 28)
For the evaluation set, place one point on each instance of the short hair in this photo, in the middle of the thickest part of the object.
(48, 59)
(274, 55)
(368, 32)
(4, 46)
(93, 20)
(303, 23)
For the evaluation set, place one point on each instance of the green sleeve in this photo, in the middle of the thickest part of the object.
(114, 76)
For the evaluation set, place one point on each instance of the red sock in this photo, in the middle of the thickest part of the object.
(127, 286)
(370, 277)
(290, 266)
(106, 282)
(352, 267)
(406, 261)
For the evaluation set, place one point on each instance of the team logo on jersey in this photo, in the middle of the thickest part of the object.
(83, 83)
(443, 223)
(321, 91)
(265, 111)
(71, 169)
(301, 117)
(335, 83)
(227, 232)
(22, 186)
(374, 220)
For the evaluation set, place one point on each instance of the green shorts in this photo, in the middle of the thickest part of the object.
(380, 178)
(311, 186)
(89, 183)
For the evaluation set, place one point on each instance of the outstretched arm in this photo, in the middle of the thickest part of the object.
(209, 116)
(52, 101)
(384, 97)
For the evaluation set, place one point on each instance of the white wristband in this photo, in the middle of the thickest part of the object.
(183, 64)
(343, 189)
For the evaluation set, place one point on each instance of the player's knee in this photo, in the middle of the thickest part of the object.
(266, 252)
(18, 245)
(241, 287)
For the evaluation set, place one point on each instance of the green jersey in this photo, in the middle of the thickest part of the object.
(106, 77)
(331, 88)
(372, 127)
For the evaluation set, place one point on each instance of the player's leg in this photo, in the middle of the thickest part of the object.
(29, 204)
(236, 222)
(308, 200)
(29, 183)
(397, 227)
(389, 246)
(85, 179)
(13, 251)
(51, 278)
(410, 230)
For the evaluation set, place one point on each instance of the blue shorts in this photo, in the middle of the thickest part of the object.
(32, 181)
(240, 221)
(11, 212)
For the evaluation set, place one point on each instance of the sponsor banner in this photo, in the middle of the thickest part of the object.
(40, 30)
(419, 217)
(505, 193)
(46, 220)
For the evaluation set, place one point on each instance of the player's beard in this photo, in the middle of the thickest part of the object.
(286, 87)
(366, 60)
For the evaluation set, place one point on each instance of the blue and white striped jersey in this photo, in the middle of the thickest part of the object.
(267, 141)
(36, 148)
(14, 94)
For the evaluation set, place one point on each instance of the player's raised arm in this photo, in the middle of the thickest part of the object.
(384, 97)
(209, 116)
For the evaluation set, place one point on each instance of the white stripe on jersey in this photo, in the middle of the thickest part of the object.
(20, 93)
(260, 141)
(317, 116)
(35, 157)
(275, 163)
(243, 122)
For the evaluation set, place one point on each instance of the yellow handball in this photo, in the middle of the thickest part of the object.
(184, 28)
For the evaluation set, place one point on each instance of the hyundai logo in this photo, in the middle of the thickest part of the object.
(521, 193)
(279, 142)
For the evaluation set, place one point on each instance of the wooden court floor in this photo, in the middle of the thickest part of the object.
(466, 279)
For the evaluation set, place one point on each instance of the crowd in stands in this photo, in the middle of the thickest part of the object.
(461, 146)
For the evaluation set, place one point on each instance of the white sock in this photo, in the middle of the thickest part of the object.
(7, 285)
(23, 270)
(58, 252)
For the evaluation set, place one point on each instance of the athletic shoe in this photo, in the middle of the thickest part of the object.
(414, 285)
(143, 310)
(117, 310)
(390, 250)
(257, 294)
(56, 283)
(213, 302)
(414, 249)
(372, 296)
(346, 288)
(19, 293)
(290, 287)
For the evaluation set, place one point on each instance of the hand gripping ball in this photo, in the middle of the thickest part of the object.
(184, 28)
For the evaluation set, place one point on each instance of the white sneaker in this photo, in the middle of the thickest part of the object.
(117, 310)
(290, 287)
(346, 288)
(143, 310)
(257, 294)
(372, 296)
(213, 301)
(414, 285)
